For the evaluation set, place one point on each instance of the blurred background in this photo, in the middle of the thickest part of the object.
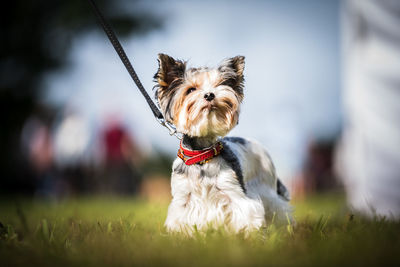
(321, 93)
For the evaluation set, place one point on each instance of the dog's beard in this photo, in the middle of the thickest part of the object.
(199, 118)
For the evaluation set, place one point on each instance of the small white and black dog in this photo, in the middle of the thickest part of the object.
(229, 182)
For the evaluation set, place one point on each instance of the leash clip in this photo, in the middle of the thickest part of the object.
(171, 128)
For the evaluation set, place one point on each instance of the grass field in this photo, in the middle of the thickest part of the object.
(101, 231)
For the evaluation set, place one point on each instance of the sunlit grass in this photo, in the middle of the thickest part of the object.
(101, 231)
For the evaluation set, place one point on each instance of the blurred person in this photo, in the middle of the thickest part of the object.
(71, 140)
(368, 158)
(317, 174)
(37, 144)
(37, 149)
(71, 145)
(120, 175)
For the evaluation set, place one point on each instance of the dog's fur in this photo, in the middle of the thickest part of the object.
(239, 189)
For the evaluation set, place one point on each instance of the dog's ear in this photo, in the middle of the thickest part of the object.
(169, 70)
(232, 69)
(169, 76)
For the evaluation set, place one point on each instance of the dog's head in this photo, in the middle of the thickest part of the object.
(200, 102)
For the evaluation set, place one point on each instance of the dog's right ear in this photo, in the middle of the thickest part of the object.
(169, 70)
(232, 69)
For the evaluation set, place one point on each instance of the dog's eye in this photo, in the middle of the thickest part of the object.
(191, 89)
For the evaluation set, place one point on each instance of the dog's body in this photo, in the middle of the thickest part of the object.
(214, 194)
(238, 189)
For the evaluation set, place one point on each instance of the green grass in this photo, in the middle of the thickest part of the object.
(124, 232)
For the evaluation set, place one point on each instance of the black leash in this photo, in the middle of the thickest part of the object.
(122, 55)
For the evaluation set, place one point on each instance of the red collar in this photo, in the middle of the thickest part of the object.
(199, 156)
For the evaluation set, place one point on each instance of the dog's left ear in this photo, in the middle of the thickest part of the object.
(233, 68)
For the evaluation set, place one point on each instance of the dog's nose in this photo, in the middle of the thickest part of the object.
(209, 96)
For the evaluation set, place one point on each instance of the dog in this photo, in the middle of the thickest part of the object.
(216, 181)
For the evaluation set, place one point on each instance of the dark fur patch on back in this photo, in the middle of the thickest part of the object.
(233, 161)
(282, 190)
(237, 140)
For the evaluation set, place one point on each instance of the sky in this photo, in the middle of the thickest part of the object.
(292, 72)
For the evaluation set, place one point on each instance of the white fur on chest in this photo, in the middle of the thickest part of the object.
(210, 196)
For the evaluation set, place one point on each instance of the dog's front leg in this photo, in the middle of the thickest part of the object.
(175, 221)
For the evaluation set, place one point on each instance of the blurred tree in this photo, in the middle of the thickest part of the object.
(35, 38)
